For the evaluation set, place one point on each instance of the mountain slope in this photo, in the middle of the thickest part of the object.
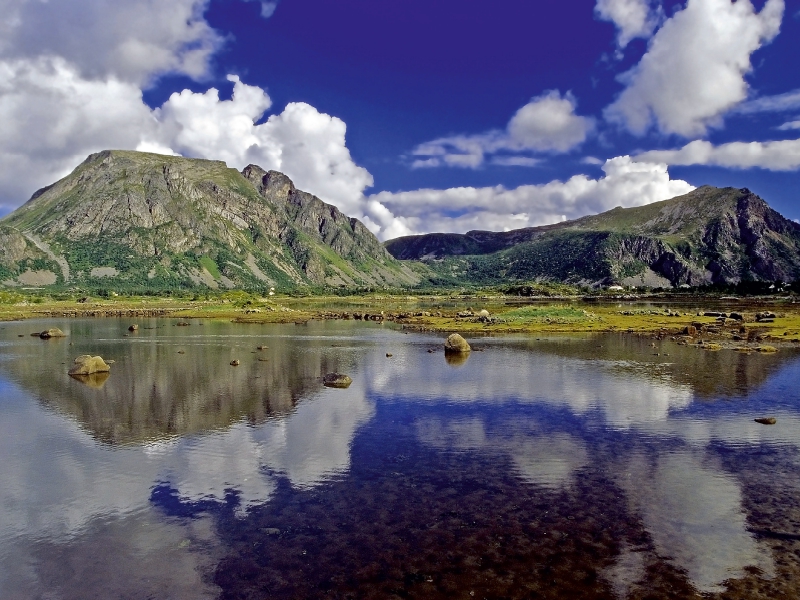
(710, 235)
(139, 220)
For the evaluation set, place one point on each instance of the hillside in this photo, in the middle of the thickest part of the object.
(711, 235)
(132, 220)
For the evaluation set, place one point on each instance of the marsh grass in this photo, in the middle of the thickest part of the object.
(557, 314)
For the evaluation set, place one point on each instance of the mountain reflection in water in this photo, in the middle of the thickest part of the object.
(591, 467)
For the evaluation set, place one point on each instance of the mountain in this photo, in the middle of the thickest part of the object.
(133, 220)
(711, 235)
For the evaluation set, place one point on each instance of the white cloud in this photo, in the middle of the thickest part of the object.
(626, 183)
(515, 161)
(633, 18)
(132, 40)
(268, 7)
(694, 69)
(783, 155)
(51, 119)
(301, 142)
(777, 103)
(790, 126)
(64, 95)
(548, 123)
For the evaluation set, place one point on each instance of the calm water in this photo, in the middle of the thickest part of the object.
(563, 467)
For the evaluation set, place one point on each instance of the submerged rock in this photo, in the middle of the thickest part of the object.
(89, 365)
(235, 362)
(456, 344)
(336, 380)
(133, 328)
(766, 420)
(55, 332)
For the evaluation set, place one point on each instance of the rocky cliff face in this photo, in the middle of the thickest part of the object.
(145, 220)
(708, 236)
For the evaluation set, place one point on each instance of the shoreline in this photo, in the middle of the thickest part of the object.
(749, 324)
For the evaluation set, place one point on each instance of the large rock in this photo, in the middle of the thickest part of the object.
(89, 365)
(55, 332)
(456, 344)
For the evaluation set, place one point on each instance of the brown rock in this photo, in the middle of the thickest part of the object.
(55, 332)
(690, 330)
(456, 344)
(766, 420)
(133, 328)
(336, 380)
(235, 362)
(89, 365)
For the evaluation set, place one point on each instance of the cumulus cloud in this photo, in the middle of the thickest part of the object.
(548, 123)
(694, 69)
(133, 40)
(626, 183)
(790, 126)
(633, 18)
(51, 119)
(783, 155)
(65, 95)
(301, 142)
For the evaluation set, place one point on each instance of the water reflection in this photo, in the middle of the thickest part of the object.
(546, 459)
(587, 462)
(693, 511)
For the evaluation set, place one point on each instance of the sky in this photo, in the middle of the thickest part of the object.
(416, 116)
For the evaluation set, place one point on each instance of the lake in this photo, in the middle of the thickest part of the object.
(594, 466)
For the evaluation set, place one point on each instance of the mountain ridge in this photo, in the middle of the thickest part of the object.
(136, 219)
(709, 236)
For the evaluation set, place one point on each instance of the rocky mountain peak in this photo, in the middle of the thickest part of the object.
(135, 219)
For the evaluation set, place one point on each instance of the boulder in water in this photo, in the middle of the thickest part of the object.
(336, 380)
(54, 332)
(456, 344)
(89, 365)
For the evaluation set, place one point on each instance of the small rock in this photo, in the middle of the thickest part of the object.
(483, 313)
(55, 332)
(388, 355)
(182, 324)
(271, 531)
(181, 352)
(690, 330)
(133, 327)
(263, 348)
(336, 380)
(456, 344)
(235, 362)
(766, 420)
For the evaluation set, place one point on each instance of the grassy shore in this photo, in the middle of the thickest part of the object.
(471, 315)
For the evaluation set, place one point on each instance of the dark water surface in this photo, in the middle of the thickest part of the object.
(563, 467)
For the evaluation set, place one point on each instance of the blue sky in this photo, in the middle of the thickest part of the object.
(416, 116)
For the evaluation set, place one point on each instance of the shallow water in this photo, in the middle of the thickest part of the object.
(561, 467)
